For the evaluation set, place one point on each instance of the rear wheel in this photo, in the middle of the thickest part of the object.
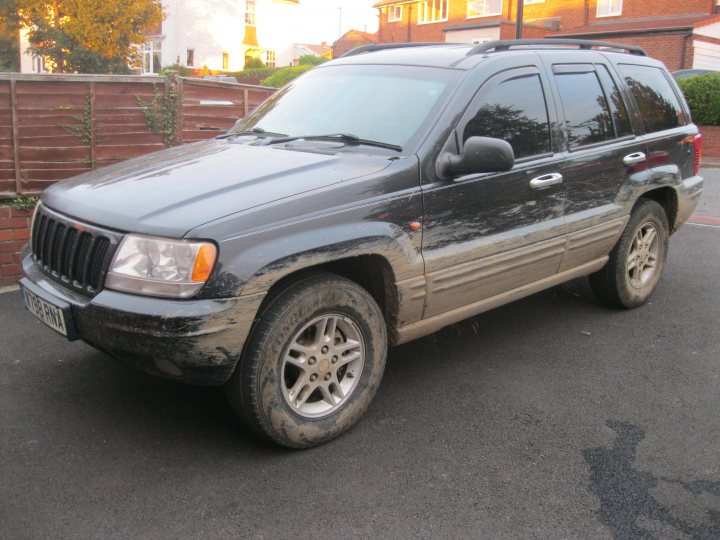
(637, 261)
(313, 362)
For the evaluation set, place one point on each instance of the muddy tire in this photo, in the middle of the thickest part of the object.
(637, 261)
(312, 363)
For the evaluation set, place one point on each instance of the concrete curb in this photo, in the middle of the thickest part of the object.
(11, 288)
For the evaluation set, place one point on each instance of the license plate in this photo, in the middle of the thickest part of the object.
(48, 313)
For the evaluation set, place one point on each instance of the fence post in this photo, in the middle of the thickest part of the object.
(16, 137)
(180, 110)
(93, 165)
(246, 100)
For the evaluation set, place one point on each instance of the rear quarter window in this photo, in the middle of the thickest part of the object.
(658, 104)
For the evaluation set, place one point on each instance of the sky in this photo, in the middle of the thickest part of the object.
(323, 21)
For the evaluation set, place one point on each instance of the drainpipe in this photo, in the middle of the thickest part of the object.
(409, 37)
(587, 13)
(684, 50)
(519, 19)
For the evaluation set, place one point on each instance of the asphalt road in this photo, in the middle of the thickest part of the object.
(549, 418)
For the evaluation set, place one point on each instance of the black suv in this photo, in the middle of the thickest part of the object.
(378, 198)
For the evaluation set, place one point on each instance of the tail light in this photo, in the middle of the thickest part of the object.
(697, 151)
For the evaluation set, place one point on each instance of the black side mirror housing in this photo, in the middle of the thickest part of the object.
(479, 155)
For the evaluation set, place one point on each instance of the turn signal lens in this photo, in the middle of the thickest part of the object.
(204, 262)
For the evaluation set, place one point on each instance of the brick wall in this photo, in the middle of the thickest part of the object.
(572, 14)
(14, 234)
(710, 142)
(674, 50)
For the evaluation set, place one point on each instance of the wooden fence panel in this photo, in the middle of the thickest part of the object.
(54, 127)
(7, 152)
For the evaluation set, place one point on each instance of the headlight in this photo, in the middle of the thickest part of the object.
(161, 266)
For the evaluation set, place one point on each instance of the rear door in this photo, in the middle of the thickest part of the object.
(664, 120)
(602, 154)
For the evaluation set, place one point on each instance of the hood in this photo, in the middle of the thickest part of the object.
(173, 191)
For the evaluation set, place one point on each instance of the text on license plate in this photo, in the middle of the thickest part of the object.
(46, 312)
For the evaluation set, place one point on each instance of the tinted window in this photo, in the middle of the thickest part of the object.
(586, 110)
(514, 110)
(658, 104)
(617, 105)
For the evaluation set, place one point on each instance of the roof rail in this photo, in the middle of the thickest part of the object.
(505, 44)
(383, 46)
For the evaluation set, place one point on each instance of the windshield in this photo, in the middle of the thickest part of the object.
(389, 104)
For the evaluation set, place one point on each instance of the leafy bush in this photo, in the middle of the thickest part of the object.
(311, 60)
(252, 76)
(254, 63)
(285, 75)
(21, 203)
(172, 69)
(703, 96)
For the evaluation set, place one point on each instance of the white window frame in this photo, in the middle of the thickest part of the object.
(250, 11)
(270, 59)
(38, 64)
(528, 2)
(395, 13)
(476, 4)
(151, 47)
(604, 8)
(430, 8)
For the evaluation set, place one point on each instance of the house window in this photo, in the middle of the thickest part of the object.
(190, 61)
(432, 11)
(226, 60)
(609, 8)
(270, 58)
(484, 8)
(152, 57)
(38, 64)
(394, 14)
(250, 12)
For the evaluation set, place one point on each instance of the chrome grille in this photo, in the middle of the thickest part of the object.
(75, 254)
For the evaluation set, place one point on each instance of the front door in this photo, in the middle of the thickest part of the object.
(485, 234)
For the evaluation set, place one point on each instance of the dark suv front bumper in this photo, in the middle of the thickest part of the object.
(194, 341)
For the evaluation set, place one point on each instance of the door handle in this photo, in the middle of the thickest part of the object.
(635, 157)
(546, 180)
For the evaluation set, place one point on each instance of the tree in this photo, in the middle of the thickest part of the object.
(9, 59)
(88, 36)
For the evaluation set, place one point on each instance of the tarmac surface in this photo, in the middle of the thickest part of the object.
(552, 417)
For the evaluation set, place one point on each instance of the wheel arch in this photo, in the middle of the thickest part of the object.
(373, 272)
(666, 197)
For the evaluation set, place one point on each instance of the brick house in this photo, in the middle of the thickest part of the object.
(351, 39)
(683, 34)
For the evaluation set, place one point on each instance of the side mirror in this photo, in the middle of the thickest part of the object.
(479, 155)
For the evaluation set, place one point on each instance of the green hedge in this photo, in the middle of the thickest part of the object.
(252, 76)
(703, 96)
(285, 75)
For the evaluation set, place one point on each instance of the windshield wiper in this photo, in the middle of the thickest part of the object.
(348, 138)
(252, 131)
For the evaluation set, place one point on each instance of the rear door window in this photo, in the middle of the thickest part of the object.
(619, 111)
(514, 110)
(587, 113)
(658, 104)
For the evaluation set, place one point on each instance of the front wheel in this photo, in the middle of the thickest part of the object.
(637, 261)
(313, 362)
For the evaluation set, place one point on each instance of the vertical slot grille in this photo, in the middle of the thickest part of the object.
(70, 253)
